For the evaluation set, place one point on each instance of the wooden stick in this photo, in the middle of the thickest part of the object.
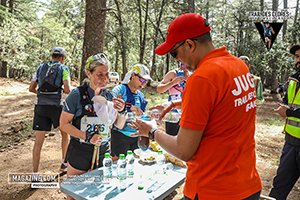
(97, 157)
(94, 157)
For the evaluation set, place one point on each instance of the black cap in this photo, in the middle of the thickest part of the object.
(294, 49)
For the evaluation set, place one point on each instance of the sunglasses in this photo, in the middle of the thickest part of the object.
(182, 66)
(141, 79)
(173, 53)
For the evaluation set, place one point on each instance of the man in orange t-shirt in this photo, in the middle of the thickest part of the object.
(217, 126)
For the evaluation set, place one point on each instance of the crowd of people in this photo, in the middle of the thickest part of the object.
(215, 133)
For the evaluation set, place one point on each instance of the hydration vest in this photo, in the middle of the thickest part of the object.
(87, 104)
(48, 78)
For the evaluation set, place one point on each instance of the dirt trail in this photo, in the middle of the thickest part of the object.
(16, 142)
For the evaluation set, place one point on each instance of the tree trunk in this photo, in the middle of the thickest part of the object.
(272, 63)
(191, 6)
(3, 3)
(11, 6)
(94, 29)
(116, 59)
(3, 64)
(143, 30)
(157, 26)
(167, 65)
(3, 69)
(296, 13)
(275, 5)
(123, 42)
(285, 6)
(207, 10)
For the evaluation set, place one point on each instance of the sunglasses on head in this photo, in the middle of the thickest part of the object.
(100, 57)
(173, 53)
(141, 79)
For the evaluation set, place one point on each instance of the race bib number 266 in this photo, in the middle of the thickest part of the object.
(93, 124)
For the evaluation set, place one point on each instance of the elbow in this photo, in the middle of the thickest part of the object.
(185, 157)
(185, 154)
(67, 90)
(32, 90)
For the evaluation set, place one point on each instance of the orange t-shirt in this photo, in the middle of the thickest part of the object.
(219, 99)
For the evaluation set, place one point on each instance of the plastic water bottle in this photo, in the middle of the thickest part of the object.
(107, 167)
(122, 173)
(130, 164)
(160, 160)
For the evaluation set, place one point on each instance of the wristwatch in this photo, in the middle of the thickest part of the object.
(151, 133)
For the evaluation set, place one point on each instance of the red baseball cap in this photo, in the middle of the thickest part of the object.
(183, 27)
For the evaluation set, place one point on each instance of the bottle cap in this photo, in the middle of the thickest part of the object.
(159, 152)
(129, 152)
(121, 156)
(107, 155)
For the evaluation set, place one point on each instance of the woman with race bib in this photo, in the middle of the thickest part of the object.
(85, 115)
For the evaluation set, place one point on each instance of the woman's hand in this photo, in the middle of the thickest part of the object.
(177, 80)
(141, 126)
(119, 103)
(136, 110)
(163, 109)
(96, 140)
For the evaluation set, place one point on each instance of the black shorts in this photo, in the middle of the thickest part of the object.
(172, 128)
(45, 116)
(121, 143)
(79, 155)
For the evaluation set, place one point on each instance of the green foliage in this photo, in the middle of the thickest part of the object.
(26, 39)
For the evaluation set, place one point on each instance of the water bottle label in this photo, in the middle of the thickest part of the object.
(94, 124)
(130, 173)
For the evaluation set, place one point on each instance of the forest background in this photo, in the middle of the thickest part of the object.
(129, 30)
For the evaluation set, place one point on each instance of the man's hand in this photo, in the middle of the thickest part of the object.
(281, 110)
(141, 126)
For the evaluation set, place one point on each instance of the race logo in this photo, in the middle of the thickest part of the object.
(268, 24)
(268, 32)
(36, 180)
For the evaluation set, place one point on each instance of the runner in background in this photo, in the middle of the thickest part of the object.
(257, 80)
(49, 82)
(174, 82)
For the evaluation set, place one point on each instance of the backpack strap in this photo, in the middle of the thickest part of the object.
(85, 100)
